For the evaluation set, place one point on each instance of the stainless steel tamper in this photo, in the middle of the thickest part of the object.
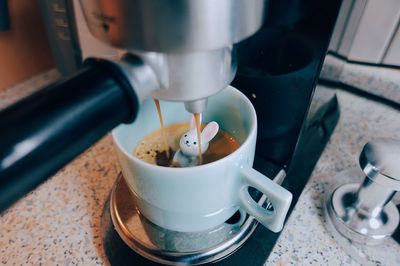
(364, 213)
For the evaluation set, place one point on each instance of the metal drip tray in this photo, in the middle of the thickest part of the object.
(170, 247)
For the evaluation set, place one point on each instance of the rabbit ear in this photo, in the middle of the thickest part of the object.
(210, 131)
(193, 122)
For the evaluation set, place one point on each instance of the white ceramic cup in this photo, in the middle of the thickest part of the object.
(201, 197)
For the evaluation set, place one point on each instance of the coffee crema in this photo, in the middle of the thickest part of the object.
(152, 149)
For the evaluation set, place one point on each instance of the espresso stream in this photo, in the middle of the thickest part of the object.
(160, 117)
(197, 117)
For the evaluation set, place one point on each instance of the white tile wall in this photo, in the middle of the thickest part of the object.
(376, 28)
(392, 56)
(368, 31)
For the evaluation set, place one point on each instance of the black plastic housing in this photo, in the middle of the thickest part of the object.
(46, 130)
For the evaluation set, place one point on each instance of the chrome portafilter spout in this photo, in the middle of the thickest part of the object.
(190, 77)
(364, 213)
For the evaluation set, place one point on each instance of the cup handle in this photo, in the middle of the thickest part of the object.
(279, 197)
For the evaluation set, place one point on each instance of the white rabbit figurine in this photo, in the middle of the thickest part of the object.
(188, 153)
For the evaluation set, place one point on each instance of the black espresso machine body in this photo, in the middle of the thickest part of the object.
(278, 69)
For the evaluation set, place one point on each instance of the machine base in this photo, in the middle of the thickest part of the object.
(129, 238)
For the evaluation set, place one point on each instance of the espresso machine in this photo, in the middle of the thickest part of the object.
(177, 51)
(186, 51)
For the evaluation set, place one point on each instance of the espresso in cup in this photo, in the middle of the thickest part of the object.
(159, 147)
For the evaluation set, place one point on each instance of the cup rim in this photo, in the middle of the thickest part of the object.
(253, 131)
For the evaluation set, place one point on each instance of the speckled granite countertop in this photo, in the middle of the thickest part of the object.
(380, 81)
(59, 222)
(304, 239)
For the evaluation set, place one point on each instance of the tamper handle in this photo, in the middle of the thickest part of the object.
(380, 161)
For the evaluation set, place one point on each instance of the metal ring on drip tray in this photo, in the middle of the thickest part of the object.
(169, 247)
